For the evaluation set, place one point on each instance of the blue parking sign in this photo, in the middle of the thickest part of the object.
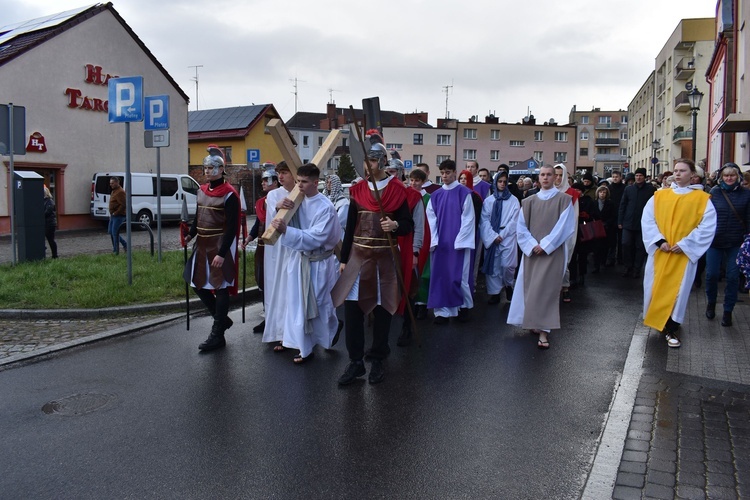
(408, 164)
(125, 99)
(157, 112)
(253, 155)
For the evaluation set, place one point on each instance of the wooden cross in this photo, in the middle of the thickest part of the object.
(284, 143)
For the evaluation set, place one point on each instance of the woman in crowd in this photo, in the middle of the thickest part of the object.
(50, 221)
(604, 210)
(732, 204)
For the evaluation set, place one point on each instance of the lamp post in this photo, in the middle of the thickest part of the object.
(694, 98)
(654, 160)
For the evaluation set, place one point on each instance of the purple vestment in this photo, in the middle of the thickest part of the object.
(446, 262)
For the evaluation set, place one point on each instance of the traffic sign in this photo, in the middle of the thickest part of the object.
(18, 127)
(157, 112)
(408, 164)
(253, 156)
(126, 99)
(156, 138)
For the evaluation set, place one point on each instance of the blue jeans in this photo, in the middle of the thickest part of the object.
(731, 275)
(114, 231)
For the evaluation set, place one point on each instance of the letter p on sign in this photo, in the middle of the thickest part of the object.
(157, 112)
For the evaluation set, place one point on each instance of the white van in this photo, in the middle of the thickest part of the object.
(174, 187)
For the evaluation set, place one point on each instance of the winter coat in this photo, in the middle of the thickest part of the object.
(729, 230)
(634, 200)
(50, 214)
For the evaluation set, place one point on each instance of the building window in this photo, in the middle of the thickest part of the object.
(416, 159)
(394, 145)
(602, 151)
(538, 135)
(605, 120)
(516, 144)
(227, 153)
(584, 120)
(539, 156)
(494, 135)
(584, 136)
(583, 152)
(495, 155)
(305, 140)
(512, 164)
(343, 142)
(418, 139)
(623, 151)
(561, 137)
(470, 154)
(623, 136)
(624, 119)
(561, 157)
(470, 133)
(443, 140)
(441, 158)
(320, 141)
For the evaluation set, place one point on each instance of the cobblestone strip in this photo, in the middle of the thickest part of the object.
(601, 480)
(686, 440)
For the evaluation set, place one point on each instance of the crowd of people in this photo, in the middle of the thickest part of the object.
(401, 246)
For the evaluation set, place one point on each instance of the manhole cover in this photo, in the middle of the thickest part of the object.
(78, 404)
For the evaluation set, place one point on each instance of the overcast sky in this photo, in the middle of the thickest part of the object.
(499, 56)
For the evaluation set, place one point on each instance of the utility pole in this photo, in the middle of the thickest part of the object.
(295, 81)
(447, 89)
(196, 83)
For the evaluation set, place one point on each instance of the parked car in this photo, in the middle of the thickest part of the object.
(174, 188)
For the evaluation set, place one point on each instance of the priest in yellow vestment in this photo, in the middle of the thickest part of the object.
(678, 227)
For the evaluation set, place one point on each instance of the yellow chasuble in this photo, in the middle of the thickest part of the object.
(676, 216)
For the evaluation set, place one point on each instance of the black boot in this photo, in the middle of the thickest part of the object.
(711, 310)
(726, 319)
(215, 339)
(259, 327)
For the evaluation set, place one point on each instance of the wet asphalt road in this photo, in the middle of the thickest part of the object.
(476, 412)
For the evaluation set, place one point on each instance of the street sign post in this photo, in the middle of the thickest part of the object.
(156, 135)
(125, 106)
(12, 139)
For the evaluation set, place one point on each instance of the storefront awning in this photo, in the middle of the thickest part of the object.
(735, 122)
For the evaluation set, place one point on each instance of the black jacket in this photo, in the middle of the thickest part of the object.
(634, 200)
(50, 214)
(615, 194)
(730, 232)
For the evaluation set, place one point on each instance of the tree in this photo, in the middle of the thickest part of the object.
(346, 170)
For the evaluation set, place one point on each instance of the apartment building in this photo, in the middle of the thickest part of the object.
(641, 146)
(680, 66)
(601, 141)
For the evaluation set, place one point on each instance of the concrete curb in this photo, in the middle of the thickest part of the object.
(252, 295)
(85, 340)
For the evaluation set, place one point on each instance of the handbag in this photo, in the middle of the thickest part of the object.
(593, 230)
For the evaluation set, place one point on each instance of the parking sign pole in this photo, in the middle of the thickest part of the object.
(128, 203)
(158, 200)
(12, 180)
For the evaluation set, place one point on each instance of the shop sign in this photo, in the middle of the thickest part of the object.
(36, 144)
(93, 75)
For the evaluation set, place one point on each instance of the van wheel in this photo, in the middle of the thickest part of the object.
(144, 217)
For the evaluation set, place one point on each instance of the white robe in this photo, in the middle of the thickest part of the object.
(319, 232)
(274, 266)
(694, 245)
(464, 244)
(506, 256)
(565, 226)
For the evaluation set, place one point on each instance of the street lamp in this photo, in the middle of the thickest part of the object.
(694, 98)
(654, 160)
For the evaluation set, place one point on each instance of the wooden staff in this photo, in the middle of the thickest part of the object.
(391, 245)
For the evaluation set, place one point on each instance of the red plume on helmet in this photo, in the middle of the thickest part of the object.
(214, 150)
(374, 135)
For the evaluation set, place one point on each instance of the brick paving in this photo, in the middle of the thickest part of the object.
(689, 431)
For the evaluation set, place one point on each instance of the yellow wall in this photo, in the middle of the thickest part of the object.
(256, 139)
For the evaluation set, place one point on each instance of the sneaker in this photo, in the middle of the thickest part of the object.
(672, 340)
(354, 370)
(566, 296)
(376, 372)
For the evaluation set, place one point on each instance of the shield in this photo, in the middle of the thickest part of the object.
(356, 151)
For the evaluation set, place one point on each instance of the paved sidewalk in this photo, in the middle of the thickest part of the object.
(689, 431)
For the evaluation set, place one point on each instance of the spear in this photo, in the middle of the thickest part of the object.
(184, 229)
(243, 222)
(394, 251)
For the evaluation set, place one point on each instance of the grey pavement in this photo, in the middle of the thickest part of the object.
(678, 425)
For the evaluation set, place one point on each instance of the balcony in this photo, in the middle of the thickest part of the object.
(681, 102)
(607, 142)
(607, 126)
(685, 69)
(613, 157)
(682, 135)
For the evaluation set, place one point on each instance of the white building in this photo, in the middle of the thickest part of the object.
(57, 67)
